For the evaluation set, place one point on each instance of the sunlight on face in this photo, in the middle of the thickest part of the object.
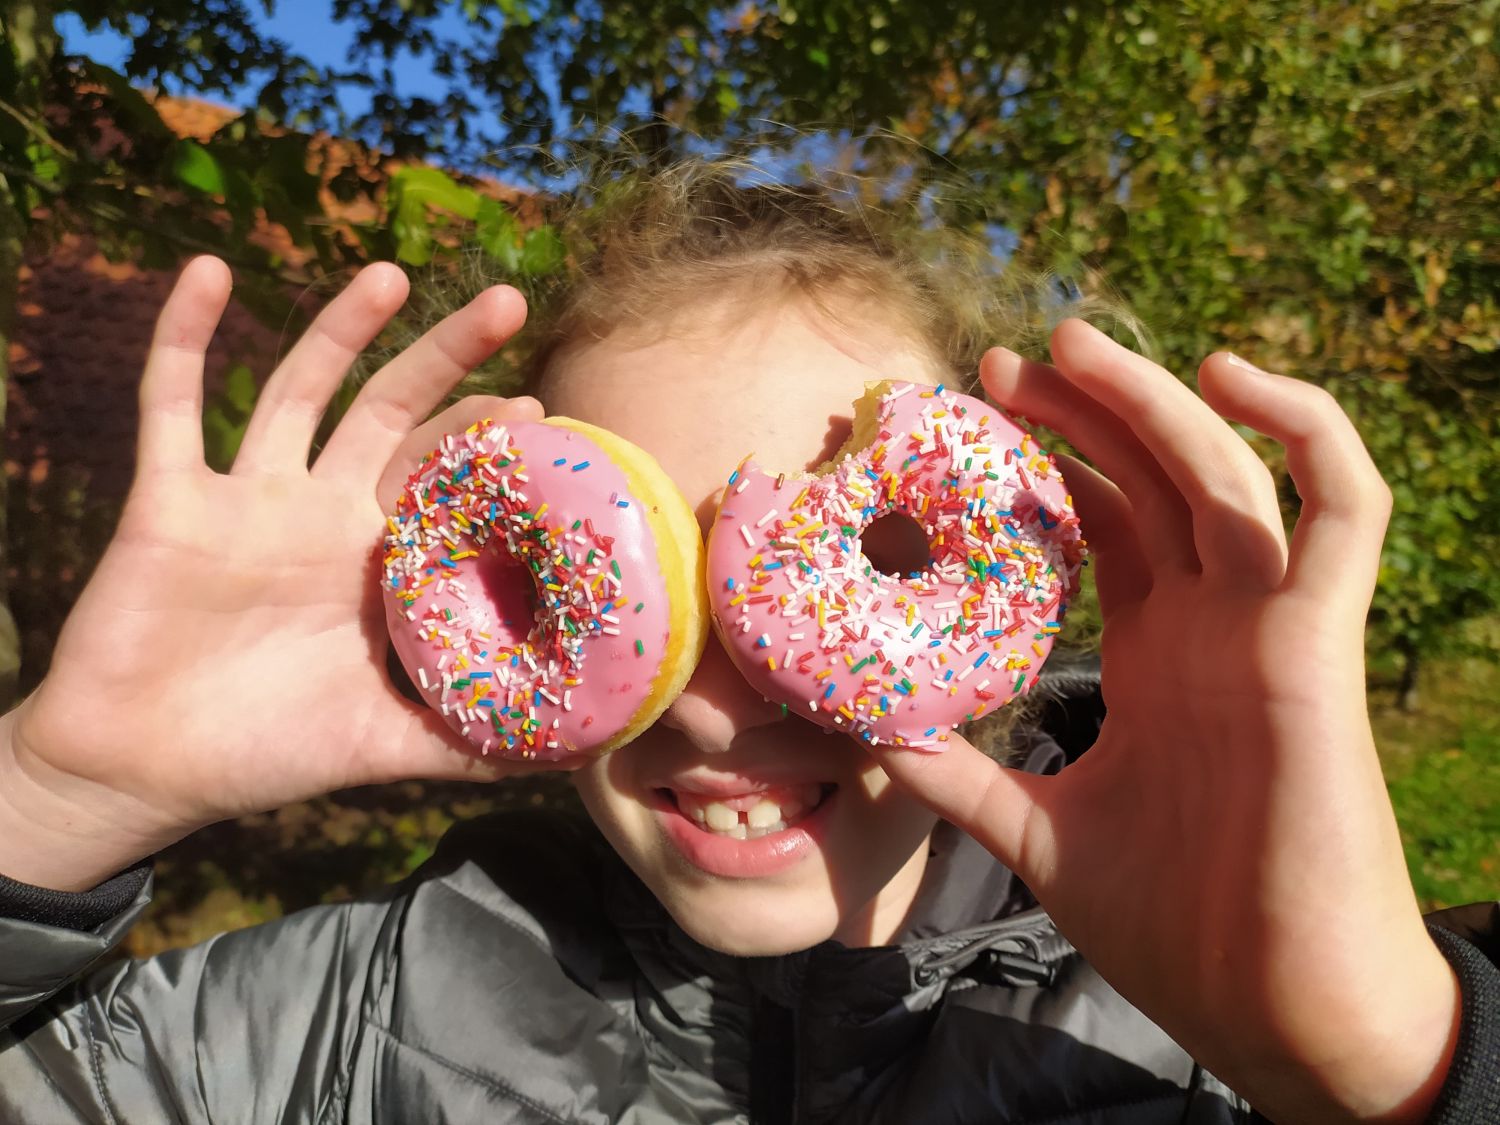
(778, 384)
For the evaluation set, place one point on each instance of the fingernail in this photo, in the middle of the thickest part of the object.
(1243, 364)
(1012, 359)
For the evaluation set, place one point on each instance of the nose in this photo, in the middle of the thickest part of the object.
(717, 703)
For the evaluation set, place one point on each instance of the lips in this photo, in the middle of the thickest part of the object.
(760, 829)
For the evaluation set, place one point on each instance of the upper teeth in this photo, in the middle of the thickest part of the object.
(765, 815)
(721, 818)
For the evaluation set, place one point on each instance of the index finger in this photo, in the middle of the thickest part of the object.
(405, 391)
(171, 392)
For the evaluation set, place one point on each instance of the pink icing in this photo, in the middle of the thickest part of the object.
(523, 592)
(813, 625)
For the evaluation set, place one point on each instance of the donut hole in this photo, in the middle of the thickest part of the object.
(396, 672)
(896, 545)
(508, 586)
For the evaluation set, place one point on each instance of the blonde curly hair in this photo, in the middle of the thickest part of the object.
(645, 242)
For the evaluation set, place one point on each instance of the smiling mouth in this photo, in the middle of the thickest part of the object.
(752, 815)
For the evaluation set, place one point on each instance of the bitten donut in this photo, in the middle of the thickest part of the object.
(812, 624)
(543, 587)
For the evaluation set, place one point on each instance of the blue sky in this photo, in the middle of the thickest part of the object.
(307, 25)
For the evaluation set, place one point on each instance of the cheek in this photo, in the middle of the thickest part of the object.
(880, 827)
(612, 795)
(879, 801)
(619, 815)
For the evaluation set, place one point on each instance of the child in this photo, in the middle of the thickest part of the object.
(1225, 856)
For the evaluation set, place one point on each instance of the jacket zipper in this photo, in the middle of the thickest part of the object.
(773, 1065)
(983, 959)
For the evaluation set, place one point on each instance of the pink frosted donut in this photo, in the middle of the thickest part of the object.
(812, 624)
(543, 587)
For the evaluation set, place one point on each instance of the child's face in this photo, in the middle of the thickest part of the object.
(700, 398)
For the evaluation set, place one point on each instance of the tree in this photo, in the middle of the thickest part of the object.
(1314, 184)
(85, 151)
(82, 150)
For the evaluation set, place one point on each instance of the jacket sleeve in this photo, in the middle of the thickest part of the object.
(1469, 937)
(256, 1025)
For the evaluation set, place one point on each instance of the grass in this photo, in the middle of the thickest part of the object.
(1442, 766)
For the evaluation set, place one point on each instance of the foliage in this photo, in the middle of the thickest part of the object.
(83, 149)
(1312, 184)
(1439, 566)
(430, 213)
(226, 416)
(349, 843)
(1443, 771)
(1321, 193)
(1315, 184)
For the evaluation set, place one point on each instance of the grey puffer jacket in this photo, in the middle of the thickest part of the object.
(525, 975)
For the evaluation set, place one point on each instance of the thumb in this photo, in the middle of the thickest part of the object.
(992, 803)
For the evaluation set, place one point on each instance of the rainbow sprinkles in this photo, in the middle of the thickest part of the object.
(899, 658)
(519, 666)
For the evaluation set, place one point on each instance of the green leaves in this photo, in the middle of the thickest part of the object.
(226, 416)
(415, 187)
(499, 235)
(411, 198)
(432, 213)
(515, 11)
(196, 167)
(542, 252)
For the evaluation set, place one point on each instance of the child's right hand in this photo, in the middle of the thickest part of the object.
(228, 655)
(1225, 855)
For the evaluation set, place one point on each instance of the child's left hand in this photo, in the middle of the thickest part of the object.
(1225, 855)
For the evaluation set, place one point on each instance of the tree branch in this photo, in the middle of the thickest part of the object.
(32, 126)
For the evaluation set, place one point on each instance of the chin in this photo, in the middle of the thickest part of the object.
(755, 919)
